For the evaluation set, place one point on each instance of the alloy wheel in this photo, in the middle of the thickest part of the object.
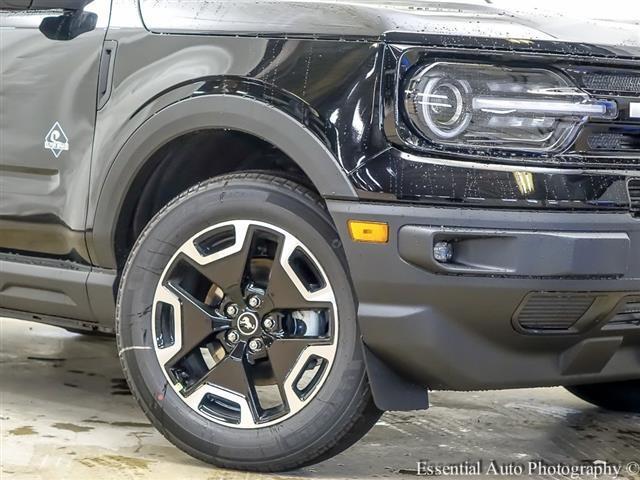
(245, 324)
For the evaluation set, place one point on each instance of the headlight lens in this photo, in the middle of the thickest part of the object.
(498, 107)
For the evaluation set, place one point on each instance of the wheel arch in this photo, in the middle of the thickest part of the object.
(236, 113)
(209, 112)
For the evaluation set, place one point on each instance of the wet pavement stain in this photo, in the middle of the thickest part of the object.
(45, 359)
(118, 462)
(82, 372)
(23, 431)
(139, 436)
(96, 421)
(119, 387)
(131, 425)
(118, 424)
(71, 427)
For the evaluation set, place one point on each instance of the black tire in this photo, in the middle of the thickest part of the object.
(339, 414)
(617, 396)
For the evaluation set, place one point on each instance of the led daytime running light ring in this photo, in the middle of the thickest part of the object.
(461, 115)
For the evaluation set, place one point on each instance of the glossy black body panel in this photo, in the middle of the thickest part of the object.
(290, 75)
(320, 83)
(403, 176)
(47, 80)
(521, 25)
(414, 170)
(331, 86)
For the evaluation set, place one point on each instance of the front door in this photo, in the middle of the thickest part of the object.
(49, 67)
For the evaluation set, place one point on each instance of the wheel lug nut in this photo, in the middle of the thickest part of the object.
(269, 324)
(256, 345)
(254, 301)
(231, 310)
(233, 337)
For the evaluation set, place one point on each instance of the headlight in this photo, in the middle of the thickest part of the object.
(499, 107)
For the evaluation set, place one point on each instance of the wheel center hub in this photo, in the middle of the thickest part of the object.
(248, 324)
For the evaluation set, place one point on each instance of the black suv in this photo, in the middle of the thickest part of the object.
(301, 214)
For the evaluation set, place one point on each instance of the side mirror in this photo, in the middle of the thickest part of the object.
(43, 4)
(68, 25)
(15, 4)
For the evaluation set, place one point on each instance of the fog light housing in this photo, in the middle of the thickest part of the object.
(443, 252)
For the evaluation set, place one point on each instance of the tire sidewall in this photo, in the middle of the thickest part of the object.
(200, 208)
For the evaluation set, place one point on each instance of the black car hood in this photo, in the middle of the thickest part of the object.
(614, 24)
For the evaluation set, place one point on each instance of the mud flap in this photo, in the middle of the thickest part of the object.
(391, 392)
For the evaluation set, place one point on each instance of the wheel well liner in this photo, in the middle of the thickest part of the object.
(210, 112)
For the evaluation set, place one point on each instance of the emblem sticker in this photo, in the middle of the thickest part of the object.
(56, 140)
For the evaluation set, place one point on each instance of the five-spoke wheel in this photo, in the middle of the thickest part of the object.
(237, 328)
(245, 323)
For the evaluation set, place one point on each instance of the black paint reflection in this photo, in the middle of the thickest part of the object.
(414, 179)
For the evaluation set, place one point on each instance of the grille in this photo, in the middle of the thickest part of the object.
(623, 83)
(606, 79)
(615, 143)
(552, 312)
(629, 316)
(634, 196)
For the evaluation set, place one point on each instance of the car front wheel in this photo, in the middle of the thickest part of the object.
(237, 328)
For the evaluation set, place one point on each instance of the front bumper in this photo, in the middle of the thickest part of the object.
(532, 298)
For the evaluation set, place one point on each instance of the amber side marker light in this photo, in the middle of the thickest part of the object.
(369, 232)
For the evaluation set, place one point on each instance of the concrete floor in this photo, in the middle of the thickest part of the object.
(66, 413)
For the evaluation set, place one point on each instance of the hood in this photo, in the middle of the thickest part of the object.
(614, 24)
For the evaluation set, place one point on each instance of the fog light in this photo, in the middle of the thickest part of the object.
(443, 252)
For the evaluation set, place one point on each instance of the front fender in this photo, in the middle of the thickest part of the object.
(222, 111)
